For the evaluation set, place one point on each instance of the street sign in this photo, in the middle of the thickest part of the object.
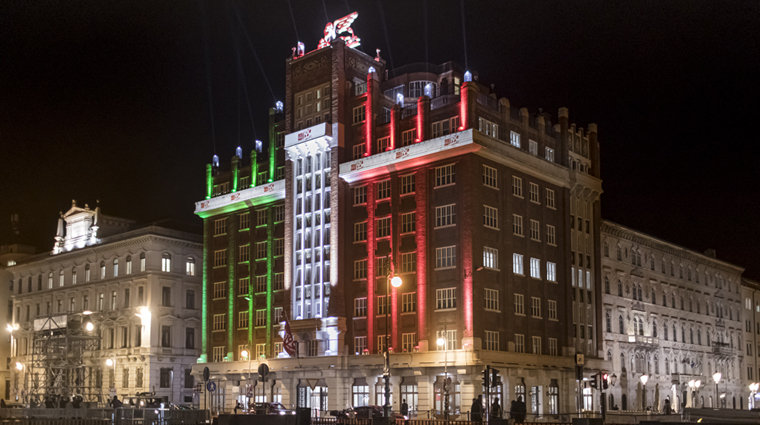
(211, 386)
(579, 359)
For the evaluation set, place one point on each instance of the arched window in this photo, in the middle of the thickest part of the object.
(620, 288)
(667, 366)
(622, 361)
(620, 324)
(619, 253)
(606, 250)
(664, 300)
(190, 266)
(665, 332)
(682, 305)
(654, 297)
(129, 264)
(656, 365)
(641, 298)
(683, 333)
(699, 336)
(651, 263)
(50, 280)
(672, 268)
(654, 329)
(608, 319)
(691, 336)
(142, 262)
(60, 278)
(675, 339)
(707, 308)
(87, 273)
(606, 285)
(672, 300)
(641, 327)
(166, 263)
(609, 355)
(699, 308)
(115, 267)
(691, 309)
(102, 269)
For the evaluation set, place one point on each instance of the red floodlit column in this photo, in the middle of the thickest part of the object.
(373, 87)
(371, 267)
(468, 96)
(423, 118)
(468, 224)
(420, 198)
(395, 115)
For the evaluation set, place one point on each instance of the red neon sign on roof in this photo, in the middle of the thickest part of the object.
(342, 25)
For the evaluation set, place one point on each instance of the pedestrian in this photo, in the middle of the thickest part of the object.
(404, 408)
(476, 411)
(237, 406)
(668, 409)
(116, 403)
(495, 409)
(520, 408)
(2, 403)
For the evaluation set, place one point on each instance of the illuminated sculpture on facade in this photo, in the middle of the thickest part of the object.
(342, 25)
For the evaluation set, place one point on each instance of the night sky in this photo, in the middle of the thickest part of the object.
(112, 100)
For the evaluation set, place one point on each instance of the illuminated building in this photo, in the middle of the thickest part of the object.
(140, 288)
(488, 213)
(751, 317)
(674, 315)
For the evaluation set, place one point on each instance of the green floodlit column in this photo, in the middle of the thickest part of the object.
(254, 169)
(209, 181)
(272, 145)
(251, 296)
(270, 267)
(204, 297)
(231, 263)
(235, 168)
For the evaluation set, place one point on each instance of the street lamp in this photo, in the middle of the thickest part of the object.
(396, 282)
(644, 379)
(19, 366)
(753, 387)
(698, 384)
(716, 378)
(441, 341)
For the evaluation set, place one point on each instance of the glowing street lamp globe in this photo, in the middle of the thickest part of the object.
(396, 281)
(89, 326)
(644, 379)
(441, 342)
(244, 353)
(19, 366)
(717, 376)
(109, 362)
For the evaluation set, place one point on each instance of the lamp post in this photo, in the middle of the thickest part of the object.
(716, 377)
(396, 282)
(441, 341)
(753, 387)
(247, 353)
(644, 379)
(111, 362)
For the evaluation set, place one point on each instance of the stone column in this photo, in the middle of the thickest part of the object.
(424, 394)
(395, 392)
(337, 392)
(470, 387)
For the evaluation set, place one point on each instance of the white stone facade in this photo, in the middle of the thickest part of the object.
(673, 315)
(142, 291)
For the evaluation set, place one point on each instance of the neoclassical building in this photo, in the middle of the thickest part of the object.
(121, 300)
(674, 315)
(751, 319)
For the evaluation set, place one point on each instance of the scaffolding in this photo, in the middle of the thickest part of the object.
(59, 366)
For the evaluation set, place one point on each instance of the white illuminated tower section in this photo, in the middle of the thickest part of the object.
(309, 153)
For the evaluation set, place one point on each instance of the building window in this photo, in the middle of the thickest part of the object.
(551, 271)
(550, 154)
(384, 190)
(551, 238)
(102, 269)
(360, 307)
(243, 287)
(383, 227)
(491, 341)
(445, 257)
(190, 266)
(166, 336)
(532, 147)
(552, 310)
(534, 193)
(517, 225)
(261, 250)
(491, 258)
(220, 226)
(445, 176)
(517, 263)
(492, 299)
(445, 216)
(408, 137)
(408, 342)
(408, 222)
(142, 265)
(261, 284)
(488, 128)
(491, 217)
(445, 299)
(383, 144)
(519, 304)
(166, 263)
(409, 302)
(360, 195)
(244, 254)
(360, 269)
(517, 186)
(519, 343)
(279, 281)
(113, 300)
(514, 139)
(261, 318)
(490, 178)
(279, 213)
(219, 322)
(360, 232)
(535, 268)
(165, 377)
(360, 344)
(536, 345)
(190, 299)
(359, 114)
(220, 258)
(115, 270)
(166, 296)
(408, 262)
(407, 184)
(218, 354)
(451, 339)
(442, 128)
(358, 151)
(535, 232)
(220, 290)
(535, 307)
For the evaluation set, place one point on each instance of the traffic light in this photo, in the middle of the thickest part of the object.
(495, 378)
(592, 382)
(486, 377)
(605, 380)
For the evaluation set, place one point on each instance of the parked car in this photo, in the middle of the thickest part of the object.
(366, 412)
(271, 409)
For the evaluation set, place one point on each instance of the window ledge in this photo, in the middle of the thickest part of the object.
(445, 309)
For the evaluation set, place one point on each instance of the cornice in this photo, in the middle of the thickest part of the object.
(621, 232)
